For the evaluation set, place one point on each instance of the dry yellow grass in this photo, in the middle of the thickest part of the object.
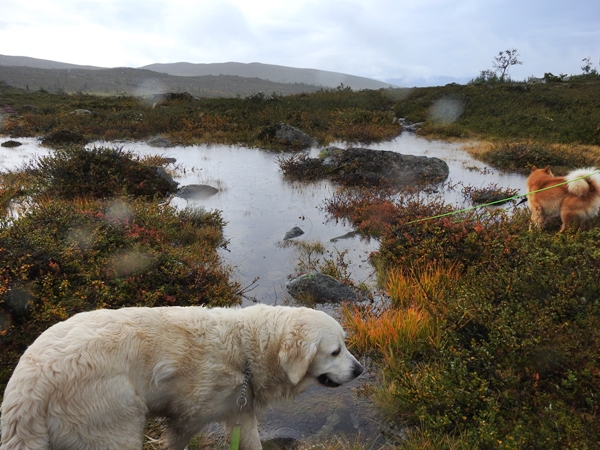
(421, 287)
(410, 320)
(480, 149)
(477, 148)
(386, 330)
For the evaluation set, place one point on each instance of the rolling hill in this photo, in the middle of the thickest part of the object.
(203, 80)
(280, 74)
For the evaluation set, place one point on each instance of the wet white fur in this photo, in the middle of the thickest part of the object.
(92, 381)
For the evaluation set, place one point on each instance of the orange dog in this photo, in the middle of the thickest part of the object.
(576, 199)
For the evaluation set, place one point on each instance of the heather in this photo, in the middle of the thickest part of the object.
(485, 334)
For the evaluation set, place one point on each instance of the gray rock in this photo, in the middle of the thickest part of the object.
(196, 191)
(11, 144)
(288, 135)
(294, 232)
(159, 141)
(409, 126)
(361, 166)
(322, 288)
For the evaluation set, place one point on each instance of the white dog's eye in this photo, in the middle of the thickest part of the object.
(337, 352)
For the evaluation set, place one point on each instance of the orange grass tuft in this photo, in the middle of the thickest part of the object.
(387, 330)
(421, 287)
(411, 319)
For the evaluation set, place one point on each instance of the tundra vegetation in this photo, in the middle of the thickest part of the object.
(488, 336)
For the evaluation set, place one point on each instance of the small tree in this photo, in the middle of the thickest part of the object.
(587, 67)
(504, 60)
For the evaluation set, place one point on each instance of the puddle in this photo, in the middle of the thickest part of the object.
(260, 207)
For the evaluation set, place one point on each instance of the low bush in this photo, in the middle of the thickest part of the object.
(518, 367)
(99, 172)
(512, 363)
(300, 166)
(328, 115)
(63, 257)
(521, 156)
(415, 231)
(566, 113)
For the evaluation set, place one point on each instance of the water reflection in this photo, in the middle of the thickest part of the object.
(260, 206)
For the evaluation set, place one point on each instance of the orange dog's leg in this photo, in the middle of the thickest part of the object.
(537, 217)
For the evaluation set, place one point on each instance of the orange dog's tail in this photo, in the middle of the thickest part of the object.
(583, 182)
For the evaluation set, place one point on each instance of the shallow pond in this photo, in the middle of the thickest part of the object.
(260, 206)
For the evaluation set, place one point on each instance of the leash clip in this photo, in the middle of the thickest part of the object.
(241, 401)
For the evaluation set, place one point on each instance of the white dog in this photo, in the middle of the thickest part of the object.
(92, 381)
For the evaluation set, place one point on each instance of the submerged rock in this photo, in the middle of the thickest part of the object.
(159, 141)
(196, 191)
(348, 235)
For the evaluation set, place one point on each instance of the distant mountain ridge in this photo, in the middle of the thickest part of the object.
(26, 61)
(22, 71)
(280, 74)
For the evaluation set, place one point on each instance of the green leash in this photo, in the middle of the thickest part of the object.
(504, 200)
(242, 401)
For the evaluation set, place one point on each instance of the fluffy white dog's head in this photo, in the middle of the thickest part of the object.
(314, 348)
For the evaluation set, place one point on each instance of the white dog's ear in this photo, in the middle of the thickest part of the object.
(295, 356)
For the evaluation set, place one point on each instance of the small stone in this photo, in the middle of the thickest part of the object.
(294, 232)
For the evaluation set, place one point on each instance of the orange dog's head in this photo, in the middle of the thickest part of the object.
(546, 169)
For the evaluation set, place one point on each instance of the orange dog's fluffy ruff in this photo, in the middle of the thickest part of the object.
(575, 197)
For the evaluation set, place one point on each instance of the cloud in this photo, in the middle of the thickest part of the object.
(382, 39)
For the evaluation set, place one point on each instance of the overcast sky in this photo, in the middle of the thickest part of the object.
(411, 42)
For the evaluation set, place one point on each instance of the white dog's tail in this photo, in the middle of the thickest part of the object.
(23, 418)
(584, 181)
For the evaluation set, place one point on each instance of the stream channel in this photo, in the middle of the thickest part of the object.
(260, 206)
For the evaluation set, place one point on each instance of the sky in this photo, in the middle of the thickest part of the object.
(405, 42)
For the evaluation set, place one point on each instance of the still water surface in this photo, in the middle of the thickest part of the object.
(260, 206)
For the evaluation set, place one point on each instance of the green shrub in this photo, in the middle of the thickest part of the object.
(565, 112)
(65, 257)
(519, 366)
(98, 172)
(328, 115)
(515, 363)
